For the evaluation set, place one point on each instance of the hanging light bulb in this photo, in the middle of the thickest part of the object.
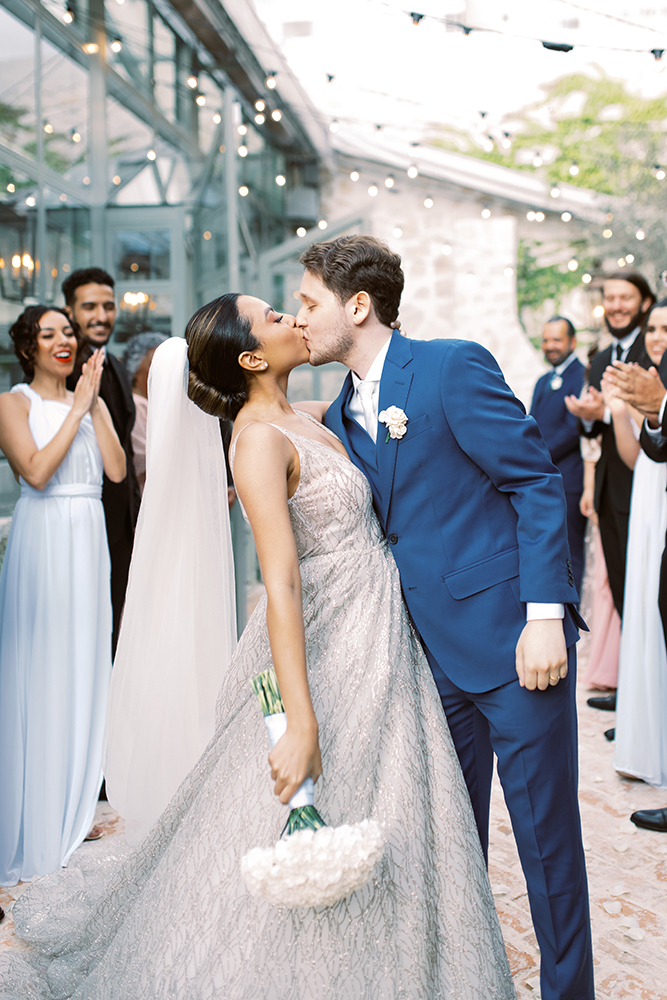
(658, 65)
(507, 142)
(217, 118)
(373, 190)
(281, 180)
(271, 81)
(242, 129)
(539, 216)
(630, 258)
(397, 233)
(428, 202)
(537, 160)
(200, 100)
(412, 171)
(607, 233)
(244, 191)
(566, 216)
(151, 154)
(586, 278)
(555, 192)
(242, 151)
(487, 145)
(446, 249)
(574, 170)
(355, 175)
(416, 18)
(486, 213)
(91, 48)
(659, 173)
(640, 234)
(276, 115)
(530, 216)
(572, 265)
(259, 119)
(192, 82)
(333, 126)
(389, 182)
(68, 17)
(75, 135)
(322, 224)
(116, 45)
(621, 261)
(260, 105)
(301, 231)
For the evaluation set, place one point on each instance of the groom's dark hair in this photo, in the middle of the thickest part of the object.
(352, 264)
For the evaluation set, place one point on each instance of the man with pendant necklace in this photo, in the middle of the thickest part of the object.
(560, 429)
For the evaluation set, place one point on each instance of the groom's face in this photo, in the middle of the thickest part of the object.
(327, 330)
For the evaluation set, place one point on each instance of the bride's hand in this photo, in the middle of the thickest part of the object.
(295, 757)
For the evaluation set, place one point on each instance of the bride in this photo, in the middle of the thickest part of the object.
(173, 919)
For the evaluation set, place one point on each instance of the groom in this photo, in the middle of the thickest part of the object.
(475, 515)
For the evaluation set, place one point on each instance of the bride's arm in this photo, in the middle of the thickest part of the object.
(315, 407)
(265, 466)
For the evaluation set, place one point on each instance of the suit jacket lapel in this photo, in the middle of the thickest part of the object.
(394, 391)
(334, 415)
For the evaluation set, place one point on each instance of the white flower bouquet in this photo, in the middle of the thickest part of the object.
(312, 864)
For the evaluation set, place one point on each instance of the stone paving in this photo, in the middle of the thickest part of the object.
(627, 871)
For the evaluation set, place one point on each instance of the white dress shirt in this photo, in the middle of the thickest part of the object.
(366, 396)
(364, 409)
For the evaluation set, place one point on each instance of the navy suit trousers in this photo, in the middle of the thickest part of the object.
(534, 736)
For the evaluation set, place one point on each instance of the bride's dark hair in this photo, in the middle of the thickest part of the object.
(216, 335)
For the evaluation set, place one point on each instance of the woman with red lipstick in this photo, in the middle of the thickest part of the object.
(55, 603)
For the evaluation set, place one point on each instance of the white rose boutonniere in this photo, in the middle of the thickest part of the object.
(395, 420)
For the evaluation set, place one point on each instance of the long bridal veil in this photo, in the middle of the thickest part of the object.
(179, 625)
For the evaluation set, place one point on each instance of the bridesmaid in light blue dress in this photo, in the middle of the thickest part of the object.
(55, 604)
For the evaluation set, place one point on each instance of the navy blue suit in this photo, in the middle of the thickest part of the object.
(560, 431)
(475, 513)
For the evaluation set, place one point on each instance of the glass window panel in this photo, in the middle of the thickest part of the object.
(64, 110)
(18, 243)
(142, 256)
(141, 312)
(213, 96)
(125, 132)
(128, 23)
(17, 85)
(164, 67)
(68, 241)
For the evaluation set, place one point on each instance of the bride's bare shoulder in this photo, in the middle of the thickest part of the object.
(315, 407)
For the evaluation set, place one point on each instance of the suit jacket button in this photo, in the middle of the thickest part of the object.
(393, 539)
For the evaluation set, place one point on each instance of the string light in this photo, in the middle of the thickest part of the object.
(86, 181)
(76, 136)
(333, 126)
(281, 180)
(355, 175)
(657, 55)
(621, 261)
(640, 234)
(530, 216)
(322, 224)
(572, 265)
(373, 190)
(301, 231)
(91, 48)
(244, 191)
(539, 216)
(30, 201)
(276, 115)
(389, 182)
(259, 119)
(16, 260)
(260, 105)
(207, 235)
(630, 257)
(200, 100)
(68, 17)
(115, 179)
(151, 154)
(555, 192)
(487, 145)
(598, 312)
(574, 170)
(566, 216)
(607, 233)
(242, 129)
(412, 172)
(537, 160)
(507, 142)
(270, 81)
(416, 18)
(428, 202)
(192, 82)
(486, 213)
(242, 151)
(586, 278)
(446, 249)
(660, 173)
(217, 118)
(11, 188)
(397, 233)
(509, 272)
(48, 128)
(116, 45)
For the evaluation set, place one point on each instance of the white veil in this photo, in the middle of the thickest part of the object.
(179, 626)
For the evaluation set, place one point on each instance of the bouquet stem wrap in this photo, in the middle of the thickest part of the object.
(315, 865)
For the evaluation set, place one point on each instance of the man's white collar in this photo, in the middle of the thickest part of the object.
(374, 373)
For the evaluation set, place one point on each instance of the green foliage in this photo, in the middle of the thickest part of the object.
(536, 283)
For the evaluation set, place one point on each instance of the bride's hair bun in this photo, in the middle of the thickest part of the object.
(217, 334)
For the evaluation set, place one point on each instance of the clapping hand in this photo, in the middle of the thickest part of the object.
(88, 387)
(633, 384)
(610, 394)
(589, 406)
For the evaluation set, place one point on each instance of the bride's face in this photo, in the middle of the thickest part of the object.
(282, 343)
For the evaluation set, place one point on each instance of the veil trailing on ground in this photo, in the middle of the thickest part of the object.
(179, 625)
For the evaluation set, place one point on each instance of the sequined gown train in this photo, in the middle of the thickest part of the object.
(172, 920)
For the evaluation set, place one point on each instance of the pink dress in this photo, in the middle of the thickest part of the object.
(605, 626)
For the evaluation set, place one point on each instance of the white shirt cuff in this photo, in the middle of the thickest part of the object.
(539, 612)
(656, 432)
(661, 411)
(606, 419)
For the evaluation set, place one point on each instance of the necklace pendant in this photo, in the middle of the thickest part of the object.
(556, 382)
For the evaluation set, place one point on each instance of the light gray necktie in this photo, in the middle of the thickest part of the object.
(365, 391)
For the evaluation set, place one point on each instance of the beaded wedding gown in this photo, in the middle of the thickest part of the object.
(172, 920)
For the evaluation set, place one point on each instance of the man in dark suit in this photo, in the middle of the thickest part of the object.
(627, 301)
(89, 299)
(560, 429)
(645, 390)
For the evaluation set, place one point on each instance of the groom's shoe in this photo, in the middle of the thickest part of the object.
(651, 819)
(606, 702)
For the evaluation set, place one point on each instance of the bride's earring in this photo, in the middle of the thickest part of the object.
(264, 365)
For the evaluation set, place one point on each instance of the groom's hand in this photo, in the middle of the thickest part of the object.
(541, 654)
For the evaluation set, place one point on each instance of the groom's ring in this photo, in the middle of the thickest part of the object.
(555, 679)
